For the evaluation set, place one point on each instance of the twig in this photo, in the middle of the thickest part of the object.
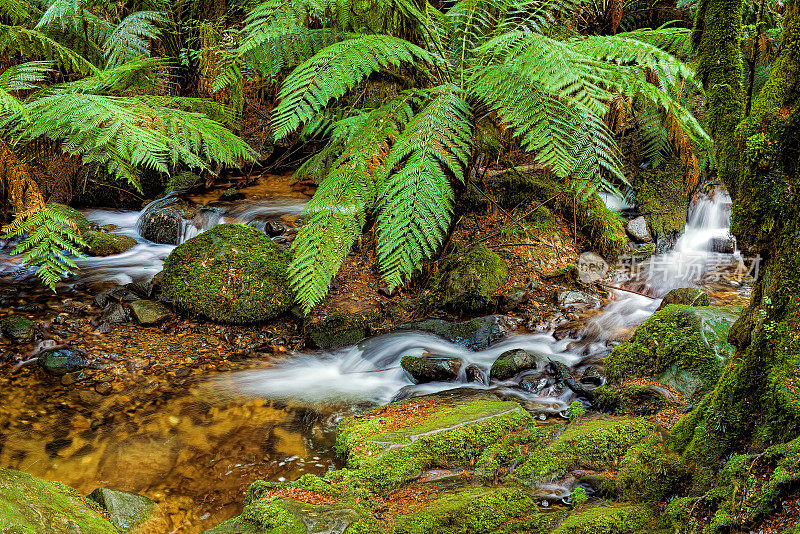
(22, 364)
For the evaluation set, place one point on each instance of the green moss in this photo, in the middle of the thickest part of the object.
(690, 296)
(29, 505)
(650, 473)
(605, 519)
(78, 218)
(477, 511)
(644, 251)
(578, 497)
(18, 328)
(662, 198)
(629, 399)
(231, 273)
(685, 347)
(466, 280)
(386, 450)
(588, 443)
(106, 244)
(576, 410)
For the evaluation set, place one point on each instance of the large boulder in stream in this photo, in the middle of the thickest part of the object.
(108, 244)
(31, 505)
(232, 274)
(681, 346)
(126, 510)
(164, 221)
(466, 280)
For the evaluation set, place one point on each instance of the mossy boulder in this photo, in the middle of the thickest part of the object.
(475, 334)
(662, 198)
(630, 399)
(511, 362)
(466, 280)
(165, 220)
(82, 224)
(18, 328)
(430, 368)
(394, 444)
(232, 274)
(682, 346)
(107, 244)
(608, 519)
(689, 296)
(29, 505)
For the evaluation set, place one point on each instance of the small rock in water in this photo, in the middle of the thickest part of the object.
(126, 510)
(592, 376)
(62, 361)
(475, 375)
(512, 362)
(18, 328)
(577, 300)
(431, 368)
(103, 388)
(689, 296)
(148, 312)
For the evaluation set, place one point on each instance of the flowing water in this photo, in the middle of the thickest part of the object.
(196, 448)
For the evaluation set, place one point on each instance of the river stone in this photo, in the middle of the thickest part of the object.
(164, 220)
(637, 229)
(591, 375)
(577, 300)
(32, 505)
(475, 375)
(513, 299)
(723, 245)
(232, 274)
(105, 244)
(512, 362)
(689, 296)
(115, 313)
(18, 328)
(148, 312)
(61, 361)
(126, 510)
(475, 334)
(337, 329)
(431, 368)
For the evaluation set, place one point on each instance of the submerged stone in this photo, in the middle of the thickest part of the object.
(31, 505)
(148, 312)
(18, 328)
(126, 510)
(232, 273)
(685, 347)
(62, 361)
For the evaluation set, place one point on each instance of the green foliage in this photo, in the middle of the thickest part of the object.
(50, 238)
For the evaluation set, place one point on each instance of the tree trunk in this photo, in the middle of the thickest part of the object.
(757, 401)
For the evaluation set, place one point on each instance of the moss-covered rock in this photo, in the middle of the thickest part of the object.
(125, 509)
(79, 219)
(18, 328)
(663, 199)
(29, 505)
(107, 244)
(393, 444)
(629, 399)
(431, 368)
(164, 220)
(466, 280)
(231, 273)
(477, 510)
(606, 519)
(514, 361)
(688, 296)
(682, 346)
(338, 329)
(475, 334)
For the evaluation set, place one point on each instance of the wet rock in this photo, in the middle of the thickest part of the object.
(591, 375)
(141, 288)
(429, 368)
(231, 194)
(466, 280)
(580, 389)
(475, 375)
(105, 244)
(337, 329)
(689, 296)
(126, 510)
(577, 300)
(62, 361)
(30, 504)
(73, 378)
(512, 362)
(558, 370)
(475, 334)
(104, 388)
(232, 274)
(274, 229)
(115, 313)
(18, 328)
(723, 245)
(148, 312)
(638, 230)
(534, 383)
(513, 299)
(164, 221)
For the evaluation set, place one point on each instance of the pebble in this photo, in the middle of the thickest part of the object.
(103, 388)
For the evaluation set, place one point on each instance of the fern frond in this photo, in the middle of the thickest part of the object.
(25, 76)
(50, 238)
(19, 11)
(333, 71)
(35, 44)
(415, 202)
(131, 38)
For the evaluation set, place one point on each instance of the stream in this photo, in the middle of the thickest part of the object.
(193, 442)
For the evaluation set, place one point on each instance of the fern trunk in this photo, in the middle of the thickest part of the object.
(757, 402)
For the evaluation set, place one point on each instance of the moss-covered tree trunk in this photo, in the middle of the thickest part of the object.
(757, 401)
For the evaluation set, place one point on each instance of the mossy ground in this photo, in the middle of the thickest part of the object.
(231, 273)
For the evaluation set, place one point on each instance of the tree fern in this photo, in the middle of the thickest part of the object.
(49, 240)
(35, 44)
(131, 38)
